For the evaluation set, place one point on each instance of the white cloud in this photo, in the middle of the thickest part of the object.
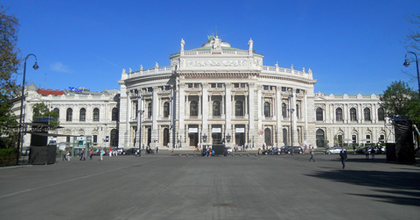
(59, 67)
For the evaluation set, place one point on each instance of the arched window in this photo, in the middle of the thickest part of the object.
(58, 113)
(82, 114)
(193, 108)
(319, 114)
(320, 138)
(366, 112)
(69, 114)
(216, 108)
(114, 138)
(353, 116)
(285, 137)
(115, 114)
(166, 110)
(284, 110)
(149, 109)
(267, 109)
(96, 114)
(381, 114)
(239, 108)
(339, 114)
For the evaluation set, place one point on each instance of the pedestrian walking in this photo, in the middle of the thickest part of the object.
(91, 154)
(372, 152)
(65, 156)
(82, 155)
(102, 152)
(367, 153)
(312, 155)
(343, 156)
(157, 149)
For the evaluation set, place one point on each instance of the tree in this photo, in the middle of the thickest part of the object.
(41, 111)
(9, 65)
(401, 101)
(413, 39)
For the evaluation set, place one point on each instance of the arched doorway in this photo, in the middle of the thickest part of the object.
(320, 138)
(267, 137)
(165, 137)
(114, 138)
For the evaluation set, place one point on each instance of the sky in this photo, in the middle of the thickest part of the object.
(352, 46)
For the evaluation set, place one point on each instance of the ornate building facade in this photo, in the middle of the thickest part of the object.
(217, 93)
(210, 95)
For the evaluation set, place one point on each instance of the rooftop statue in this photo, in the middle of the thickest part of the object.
(251, 44)
(182, 44)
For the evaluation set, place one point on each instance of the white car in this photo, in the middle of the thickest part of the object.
(335, 150)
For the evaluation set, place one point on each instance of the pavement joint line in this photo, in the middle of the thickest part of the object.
(74, 179)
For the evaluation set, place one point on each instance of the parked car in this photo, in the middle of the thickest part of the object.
(132, 151)
(121, 151)
(228, 150)
(289, 149)
(335, 150)
(284, 149)
(297, 150)
(275, 151)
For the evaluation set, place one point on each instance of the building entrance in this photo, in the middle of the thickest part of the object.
(240, 139)
(193, 139)
(217, 138)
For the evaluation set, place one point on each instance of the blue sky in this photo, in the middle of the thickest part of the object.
(352, 46)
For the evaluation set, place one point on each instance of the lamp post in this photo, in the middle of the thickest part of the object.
(228, 138)
(139, 117)
(407, 63)
(291, 124)
(35, 66)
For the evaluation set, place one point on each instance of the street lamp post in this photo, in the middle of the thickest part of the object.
(291, 124)
(35, 66)
(407, 63)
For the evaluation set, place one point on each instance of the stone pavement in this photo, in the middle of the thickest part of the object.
(174, 186)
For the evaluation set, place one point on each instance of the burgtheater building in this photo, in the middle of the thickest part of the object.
(210, 95)
(220, 94)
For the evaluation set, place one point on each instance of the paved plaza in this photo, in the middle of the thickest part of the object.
(174, 186)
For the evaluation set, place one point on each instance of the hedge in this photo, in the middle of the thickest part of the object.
(8, 157)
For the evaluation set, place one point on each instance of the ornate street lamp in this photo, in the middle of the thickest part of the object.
(407, 63)
(228, 138)
(204, 138)
(35, 66)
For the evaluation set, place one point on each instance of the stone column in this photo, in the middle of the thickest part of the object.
(205, 111)
(228, 101)
(251, 95)
(127, 122)
(277, 112)
(155, 103)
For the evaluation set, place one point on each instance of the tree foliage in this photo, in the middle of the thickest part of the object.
(401, 101)
(413, 38)
(9, 65)
(41, 111)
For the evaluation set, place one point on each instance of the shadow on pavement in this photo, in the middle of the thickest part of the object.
(405, 186)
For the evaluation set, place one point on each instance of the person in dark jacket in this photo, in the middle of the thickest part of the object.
(343, 156)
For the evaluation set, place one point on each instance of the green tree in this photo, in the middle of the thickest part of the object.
(9, 65)
(401, 101)
(41, 111)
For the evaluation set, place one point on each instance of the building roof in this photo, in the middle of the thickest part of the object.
(50, 92)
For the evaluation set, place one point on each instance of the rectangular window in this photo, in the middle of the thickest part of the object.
(213, 85)
(236, 85)
(266, 88)
(367, 139)
(219, 85)
(95, 138)
(190, 85)
(243, 85)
